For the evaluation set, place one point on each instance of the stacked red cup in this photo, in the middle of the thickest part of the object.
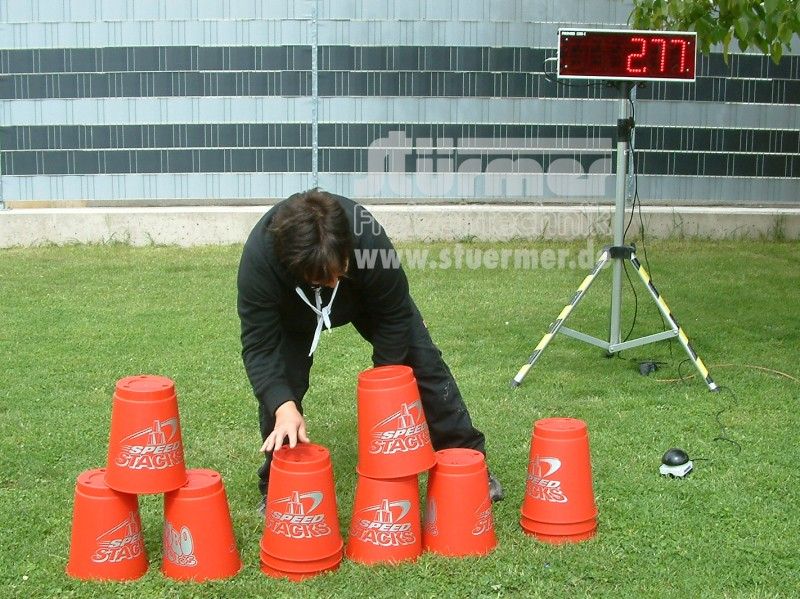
(394, 447)
(301, 536)
(458, 518)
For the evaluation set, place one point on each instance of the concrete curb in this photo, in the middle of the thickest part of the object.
(195, 226)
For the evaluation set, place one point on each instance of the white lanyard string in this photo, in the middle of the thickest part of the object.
(323, 313)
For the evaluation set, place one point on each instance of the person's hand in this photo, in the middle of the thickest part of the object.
(289, 423)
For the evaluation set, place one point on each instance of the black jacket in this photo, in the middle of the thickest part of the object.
(269, 307)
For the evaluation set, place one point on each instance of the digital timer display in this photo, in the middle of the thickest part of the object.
(634, 55)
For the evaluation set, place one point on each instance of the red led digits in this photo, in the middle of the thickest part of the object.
(684, 49)
(662, 63)
(634, 55)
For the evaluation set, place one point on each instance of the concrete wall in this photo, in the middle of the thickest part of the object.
(231, 225)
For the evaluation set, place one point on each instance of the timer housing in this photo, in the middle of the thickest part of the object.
(626, 54)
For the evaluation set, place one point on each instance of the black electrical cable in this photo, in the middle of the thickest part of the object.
(633, 167)
(636, 206)
(635, 300)
(634, 170)
(722, 428)
(637, 203)
(680, 365)
(722, 436)
(552, 78)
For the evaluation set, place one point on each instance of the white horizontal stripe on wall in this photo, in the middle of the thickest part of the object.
(565, 111)
(99, 23)
(50, 11)
(203, 188)
(677, 190)
(155, 33)
(155, 111)
(674, 190)
(213, 188)
(150, 111)
(496, 11)
(521, 33)
(287, 32)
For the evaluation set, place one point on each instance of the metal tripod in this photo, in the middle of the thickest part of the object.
(617, 253)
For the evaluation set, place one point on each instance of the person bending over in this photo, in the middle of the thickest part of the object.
(298, 275)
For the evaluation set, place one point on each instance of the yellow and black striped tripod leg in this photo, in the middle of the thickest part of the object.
(584, 286)
(665, 311)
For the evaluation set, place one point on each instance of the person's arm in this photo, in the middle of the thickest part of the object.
(386, 298)
(257, 304)
(261, 333)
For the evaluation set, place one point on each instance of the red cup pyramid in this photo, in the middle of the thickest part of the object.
(145, 456)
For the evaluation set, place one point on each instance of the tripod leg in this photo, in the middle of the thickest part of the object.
(517, 381)
(665, 311)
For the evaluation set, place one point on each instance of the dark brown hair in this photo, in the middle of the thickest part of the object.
(312, 236)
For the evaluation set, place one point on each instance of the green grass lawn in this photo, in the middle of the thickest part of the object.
(75, 319)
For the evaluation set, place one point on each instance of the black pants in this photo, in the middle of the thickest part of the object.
(445, 412)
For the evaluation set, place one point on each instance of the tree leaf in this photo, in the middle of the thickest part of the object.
(769, 25)
(785, 33)
(760, 42)
(771, 6)
(715, 31)
(776, 52)
(741, 28)
(726, 42)
(674, 11)
(742, 44)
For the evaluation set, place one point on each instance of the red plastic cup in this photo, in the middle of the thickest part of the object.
(458, 518)
(381, 377)
(393, 436)
(145, 449)
(298, 571)
(385, 527)
(301, 525)
(559, 504)
(199, 543)
(106, 542)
